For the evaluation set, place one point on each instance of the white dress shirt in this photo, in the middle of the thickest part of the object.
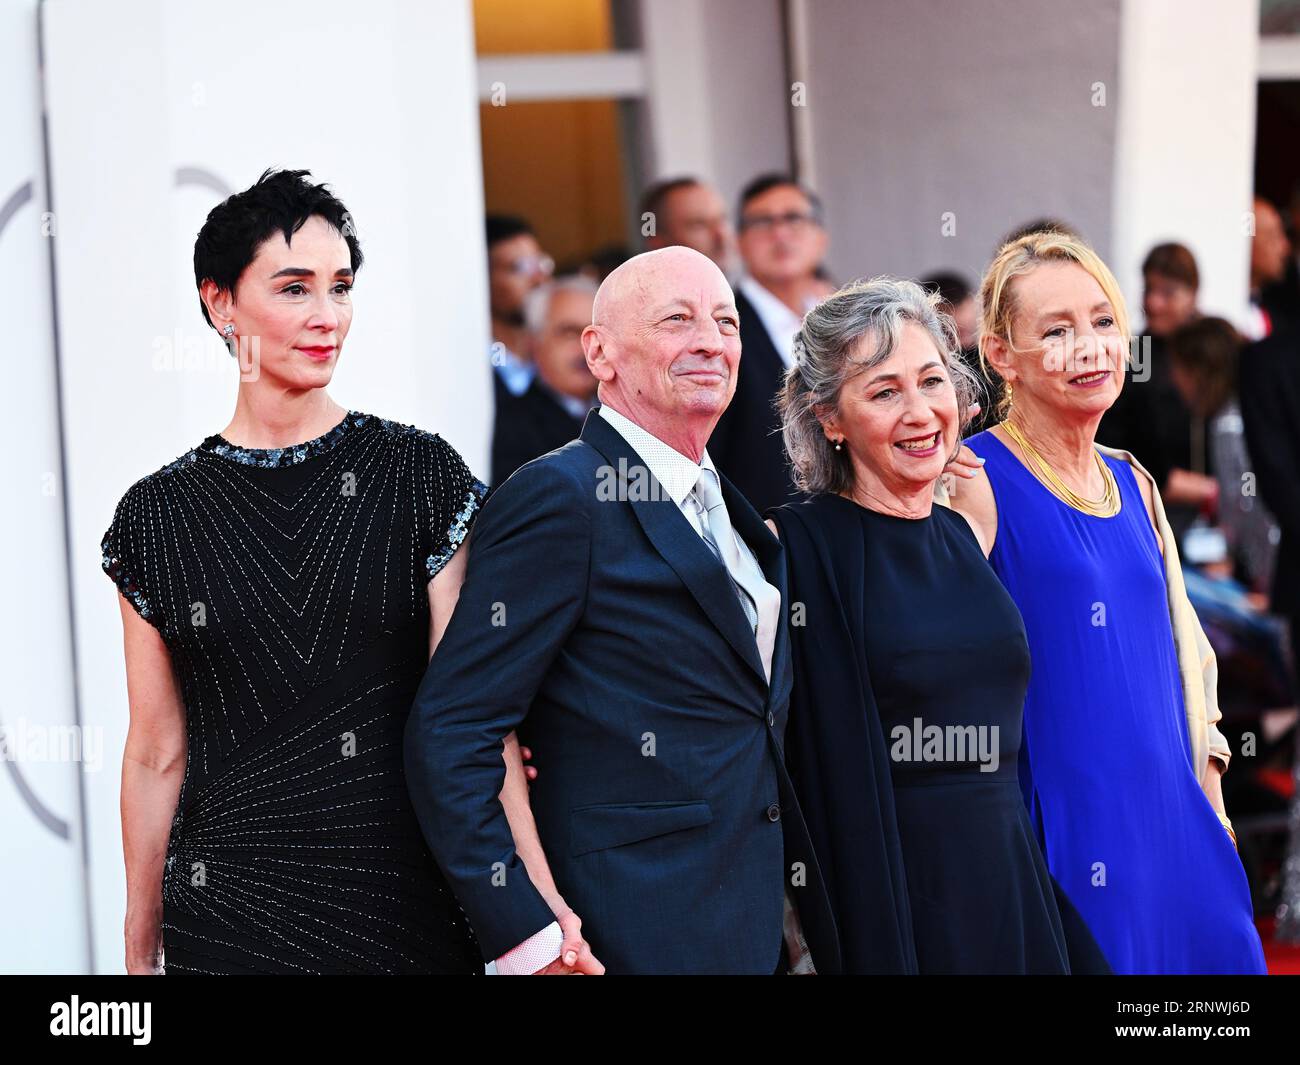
(780, 322)
(515, 373)
(677, 474)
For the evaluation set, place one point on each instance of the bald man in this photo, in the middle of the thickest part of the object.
(624, 610)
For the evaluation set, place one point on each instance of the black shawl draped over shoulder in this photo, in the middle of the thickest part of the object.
(835, 745)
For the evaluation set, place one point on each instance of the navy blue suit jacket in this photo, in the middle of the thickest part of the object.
(598, 624)
(747, 444)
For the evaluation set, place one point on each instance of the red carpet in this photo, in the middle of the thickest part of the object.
(1282, 959)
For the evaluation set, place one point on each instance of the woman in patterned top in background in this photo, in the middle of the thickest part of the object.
(282, 586)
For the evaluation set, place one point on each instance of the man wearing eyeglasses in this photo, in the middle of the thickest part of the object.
(782, 242)
(516, 266)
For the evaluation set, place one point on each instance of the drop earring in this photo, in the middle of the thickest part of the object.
(839, 445)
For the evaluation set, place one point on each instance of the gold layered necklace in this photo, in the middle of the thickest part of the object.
(1105, 507)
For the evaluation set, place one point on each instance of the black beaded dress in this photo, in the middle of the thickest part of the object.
(290, 587)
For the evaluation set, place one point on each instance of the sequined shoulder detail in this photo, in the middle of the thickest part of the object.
(120, 574)
(275, 457)
(459, 528)
(447, 490)
(122, 543)
(403, 429)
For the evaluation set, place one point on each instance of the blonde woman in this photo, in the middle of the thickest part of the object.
(1120, 760)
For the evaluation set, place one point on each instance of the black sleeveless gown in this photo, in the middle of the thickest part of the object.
(911, 666)
(290, 588)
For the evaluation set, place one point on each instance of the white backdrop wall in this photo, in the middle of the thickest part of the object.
(43, 886)
(980, 111)
(717, 94)
(156, 110)
(1185, 147)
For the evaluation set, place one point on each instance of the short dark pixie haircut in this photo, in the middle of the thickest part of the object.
(1174, 261)
(656, 195)
(766, 183)
(953, 289)
(499, 227)
(280, 201)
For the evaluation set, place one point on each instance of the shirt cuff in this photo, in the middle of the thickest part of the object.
(535, 952)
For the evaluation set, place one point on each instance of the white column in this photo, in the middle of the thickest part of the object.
(43, 887)
(153, 108)
(1185, 143)
(716, 94)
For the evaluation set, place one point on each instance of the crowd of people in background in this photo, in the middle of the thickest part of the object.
(1183, 412)
(702, 677)
(1211, 408)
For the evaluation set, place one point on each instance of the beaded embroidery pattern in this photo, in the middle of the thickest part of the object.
(290, 588)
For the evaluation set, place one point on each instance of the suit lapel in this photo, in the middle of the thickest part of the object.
(677, 542)
(756, 343)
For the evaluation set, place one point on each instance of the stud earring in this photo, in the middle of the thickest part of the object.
(228, 330)
(839, 445)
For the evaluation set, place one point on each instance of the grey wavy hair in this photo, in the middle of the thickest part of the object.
(827, 355)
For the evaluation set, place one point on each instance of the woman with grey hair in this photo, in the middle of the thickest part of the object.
(910, 659)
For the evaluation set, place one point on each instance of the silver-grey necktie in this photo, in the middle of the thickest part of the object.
(720, 536)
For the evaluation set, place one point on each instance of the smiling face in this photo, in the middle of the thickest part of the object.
(899, 420)
(665, 342)
(292, 305)
(1068, 355)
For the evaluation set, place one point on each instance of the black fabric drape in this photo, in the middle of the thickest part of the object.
(836, 750)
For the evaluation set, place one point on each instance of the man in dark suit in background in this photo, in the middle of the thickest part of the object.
(689, 213)
(516, 265)
(550, 411)
(782, 242)
(624, 607)
(1269, 394)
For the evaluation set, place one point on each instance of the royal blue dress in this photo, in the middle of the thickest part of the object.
(1105, 760)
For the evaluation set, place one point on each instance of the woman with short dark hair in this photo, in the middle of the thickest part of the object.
(282, 585)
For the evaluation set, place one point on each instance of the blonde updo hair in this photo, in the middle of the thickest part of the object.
(998, 304)
(824, 362)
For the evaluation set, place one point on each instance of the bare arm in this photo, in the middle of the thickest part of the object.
(973, 499)
(514, 797)
(153, 766)
(444, 593)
